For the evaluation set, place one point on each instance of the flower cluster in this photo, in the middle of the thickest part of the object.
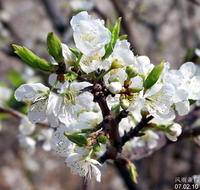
(103, 67)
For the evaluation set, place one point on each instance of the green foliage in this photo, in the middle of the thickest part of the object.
(31, 59)
(115, 35)
(76, 52)
(77, 138)
(153, 76)
(54, 47)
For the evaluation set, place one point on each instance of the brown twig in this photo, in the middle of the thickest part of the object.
(135, 131)
(18, 115)
(11, 112)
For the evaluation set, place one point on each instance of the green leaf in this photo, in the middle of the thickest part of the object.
(75, 51)
(153, 76)
(77, 138)
(115, 35)
(31, 59)
(133, 171)
(54, 47)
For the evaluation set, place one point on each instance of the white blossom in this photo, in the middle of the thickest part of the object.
(156, 100)
(31, 92)
(143, 65)
(5, 94)
(84, 166)
(87, 120)
(90, 34)
(191, 80)
(28, 143)
(69, 57)
(60, 143)
(122, 53)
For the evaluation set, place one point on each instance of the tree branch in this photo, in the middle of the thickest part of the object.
(11, 112)
(135, 131)
(121, 166)
(18, 115)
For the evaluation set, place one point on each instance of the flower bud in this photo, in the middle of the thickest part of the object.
(116, 64)
(131, 71)
(174, 131)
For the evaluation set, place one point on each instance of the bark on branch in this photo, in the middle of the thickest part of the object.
(120, 164)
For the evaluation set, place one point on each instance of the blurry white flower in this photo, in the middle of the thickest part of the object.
(191, 80)
(150, 139)
(90, 34)
(28, 143)
(45, 135)
(174, 131)
(29, 75)
(5, 94)
(197, 52)
(26, 127)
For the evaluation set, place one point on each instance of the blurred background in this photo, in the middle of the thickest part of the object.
(168, 30)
